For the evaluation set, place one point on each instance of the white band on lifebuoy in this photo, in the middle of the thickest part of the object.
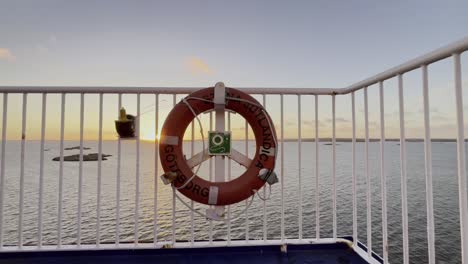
(213, 196)
(170, 140)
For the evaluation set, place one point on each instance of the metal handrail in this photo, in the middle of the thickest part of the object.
(159, 90)
(429, 58)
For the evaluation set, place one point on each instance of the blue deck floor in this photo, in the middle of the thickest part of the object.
(330, 253)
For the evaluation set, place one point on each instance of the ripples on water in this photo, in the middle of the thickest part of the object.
(445, 198)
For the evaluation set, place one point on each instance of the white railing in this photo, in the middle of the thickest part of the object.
(454, 50)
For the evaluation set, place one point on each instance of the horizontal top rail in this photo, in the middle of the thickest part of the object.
(431, 57)
(153, 90)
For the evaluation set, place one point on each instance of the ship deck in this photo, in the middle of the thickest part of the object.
(340, 252)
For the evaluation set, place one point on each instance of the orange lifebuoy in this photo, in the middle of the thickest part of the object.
(217, 193)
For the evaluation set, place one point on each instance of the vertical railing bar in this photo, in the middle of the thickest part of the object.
(211, 180)
(80, 177)
(21, 198)
(2, 168)
(368, 178)
(60, 194)
(192, 216)
(246, 201)
(137, 172)
(41, 170)
(99, 176)
(173, 193)
(404, 198)
(317, 176)
(299, 155)
(428, 168)
(264, 190)
(334, 163)
(60, 201)
(353, 168)
(156, 167)
(229, 179)
(383, 185)
(119, 158)
(282, 167)
(461, 165)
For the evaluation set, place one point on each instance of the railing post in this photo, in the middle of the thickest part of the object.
(229, 179)
(119, 159)
(174, 193)
(428, 168)
(137, 173)
(211, 179)
(334, 165)
(404, 202)
(299, 156)
(383, 179)
(368, 177)
(264, 188)
(99, 172)
(246, 124)
(192, 216)
(282, 167)
(60, 194)
(156, 167)
(2, 164)
(41, 170)
(317, 175)
(461, 166)
(80, 172)
(23, 141)
(353, 168)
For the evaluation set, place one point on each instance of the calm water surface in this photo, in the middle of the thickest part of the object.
(251, 224)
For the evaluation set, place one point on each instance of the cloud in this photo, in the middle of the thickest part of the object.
(198, 66)
(6, 54)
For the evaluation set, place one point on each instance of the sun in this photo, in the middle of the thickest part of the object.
(148, 131)
(149, 136)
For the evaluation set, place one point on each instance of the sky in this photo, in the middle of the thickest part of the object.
(313, 44)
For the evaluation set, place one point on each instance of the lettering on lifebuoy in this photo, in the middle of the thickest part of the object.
(266, 150)
(181, 178)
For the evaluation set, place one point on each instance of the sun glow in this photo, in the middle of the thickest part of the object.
(149, 136)
(148, 131)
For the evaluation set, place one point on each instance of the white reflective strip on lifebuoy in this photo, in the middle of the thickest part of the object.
(170, 140)
(213, 196)
(267, 151)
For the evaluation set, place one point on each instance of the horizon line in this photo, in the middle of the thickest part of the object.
(324, 139)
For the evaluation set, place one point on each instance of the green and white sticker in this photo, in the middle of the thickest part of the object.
(219, 143)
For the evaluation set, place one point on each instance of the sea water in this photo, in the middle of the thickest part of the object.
(250, 224)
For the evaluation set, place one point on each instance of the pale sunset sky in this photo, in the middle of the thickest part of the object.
(321, 44)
